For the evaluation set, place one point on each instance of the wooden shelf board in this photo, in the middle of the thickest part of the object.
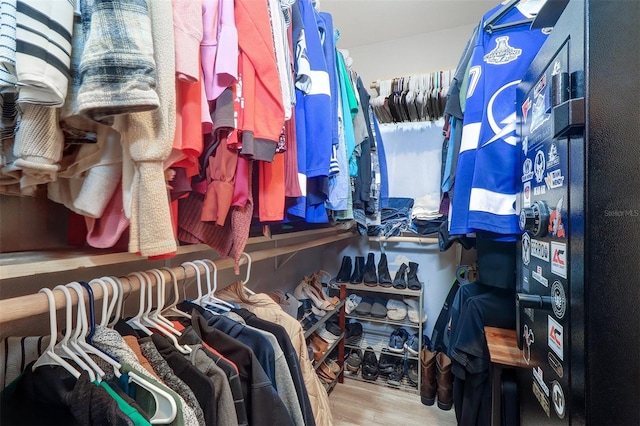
(24, 264)
(379, 289)
(503, 347)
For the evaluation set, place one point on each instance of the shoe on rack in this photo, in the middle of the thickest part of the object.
(364, 307)
(317, 352)
(318, 312)
(317, 298)
(413, 311)
(326, 334)
(396, 310)
(412, 277)
(344, 274)
(412, 371)
(411, 345)
(395, 377)
(399, 281)
(326, 371)
(384, 278)
(351, 303)
(358, 271)
(315, 282)
(397, 339)
(353, 333)
(333, 366)
(378, 309)
(308, 321)
(354, 360)
(304, 308)
(387, 362)
(320, 343)
(370, 277)
(369, 364)
(334, 328)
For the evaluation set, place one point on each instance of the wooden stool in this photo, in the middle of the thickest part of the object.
(504, 352)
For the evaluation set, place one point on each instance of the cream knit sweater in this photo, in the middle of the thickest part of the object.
(147, 139)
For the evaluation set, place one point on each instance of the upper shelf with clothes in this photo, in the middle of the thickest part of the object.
(419, 97)
(24, 264)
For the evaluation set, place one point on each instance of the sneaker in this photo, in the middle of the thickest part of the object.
(412, 343)
(352, 302)
(397, 340)
(369, 364)
(354, 360)
(387, 362)
(353, 333)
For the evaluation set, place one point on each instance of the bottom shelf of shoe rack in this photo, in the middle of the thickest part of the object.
(405, 384)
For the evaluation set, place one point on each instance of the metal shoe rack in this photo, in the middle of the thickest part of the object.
(379, 340)
(332, 347)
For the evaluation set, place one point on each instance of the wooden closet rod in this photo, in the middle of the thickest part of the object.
(34, 304)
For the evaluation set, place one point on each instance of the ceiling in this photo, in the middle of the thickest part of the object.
(363, 22)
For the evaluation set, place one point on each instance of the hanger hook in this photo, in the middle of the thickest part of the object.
(198, 281)
(248, 267)
(214, 273)
(208, 275)
(53, 319)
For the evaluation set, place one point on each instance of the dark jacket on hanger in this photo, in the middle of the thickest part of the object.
(291, 357)
(200, 384)
(259, 344)
(51, 395)
(190, 337)
(263, 402)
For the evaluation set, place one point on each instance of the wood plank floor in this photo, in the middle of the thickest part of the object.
(356, 403)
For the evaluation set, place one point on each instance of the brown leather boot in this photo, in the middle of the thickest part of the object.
(444, 379)
(428, 382)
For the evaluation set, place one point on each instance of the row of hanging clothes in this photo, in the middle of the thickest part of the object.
(225, 357)
(420, 97)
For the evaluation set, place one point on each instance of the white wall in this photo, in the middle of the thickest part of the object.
(419, 54)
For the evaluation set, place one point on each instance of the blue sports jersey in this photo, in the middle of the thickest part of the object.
(487, 172)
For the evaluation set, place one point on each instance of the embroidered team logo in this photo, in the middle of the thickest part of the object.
(502, 53)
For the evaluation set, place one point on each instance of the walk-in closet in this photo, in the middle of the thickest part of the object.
(318, 212)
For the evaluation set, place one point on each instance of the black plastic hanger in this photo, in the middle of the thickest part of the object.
(491, 25)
